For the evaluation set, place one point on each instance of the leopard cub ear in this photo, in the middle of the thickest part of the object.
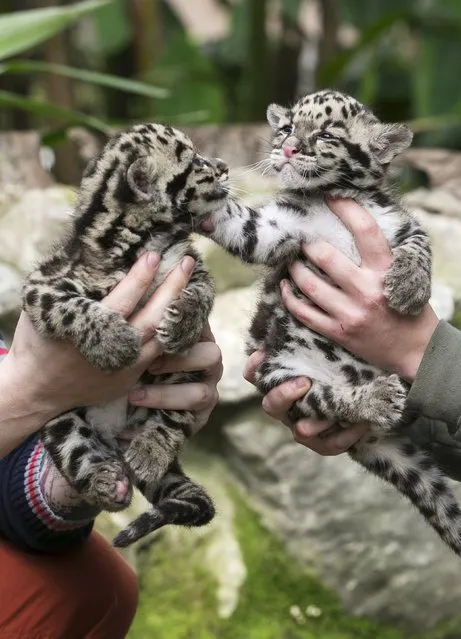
(141, 177)
(275, 114)
(389, 140)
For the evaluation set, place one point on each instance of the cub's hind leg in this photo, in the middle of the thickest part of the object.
(90, 465)
(175, 500)
(153, 449)
(379, 403)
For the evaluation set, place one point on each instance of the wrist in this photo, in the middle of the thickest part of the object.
(421, 334)
(22, 412)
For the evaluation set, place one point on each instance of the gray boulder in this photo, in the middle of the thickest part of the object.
(357, 533)
(445, 234)
(229, 322)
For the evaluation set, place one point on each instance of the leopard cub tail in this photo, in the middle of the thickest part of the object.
(176, 500)
(415, 475)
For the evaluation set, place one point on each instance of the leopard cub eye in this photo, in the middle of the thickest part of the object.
(324, 135)
(288, 128)
(198, 161)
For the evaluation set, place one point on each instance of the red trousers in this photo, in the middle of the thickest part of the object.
(87, 593)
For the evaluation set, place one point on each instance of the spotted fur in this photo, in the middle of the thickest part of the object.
(136, 196)
(330, 144)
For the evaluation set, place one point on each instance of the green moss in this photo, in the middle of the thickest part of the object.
(177, 595)
(178, 602)
(456, 320)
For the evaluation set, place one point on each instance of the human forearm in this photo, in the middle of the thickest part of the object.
(21, 411)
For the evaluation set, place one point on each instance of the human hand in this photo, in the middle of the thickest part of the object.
(353, 311)
(198, 397)
(308, 432)
(52, 376)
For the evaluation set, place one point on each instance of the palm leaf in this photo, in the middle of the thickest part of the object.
(23, 30)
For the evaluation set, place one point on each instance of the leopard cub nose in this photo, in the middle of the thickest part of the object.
(289, 151)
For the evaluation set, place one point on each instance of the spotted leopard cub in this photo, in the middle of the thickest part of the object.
(329, 144)
(145, 192)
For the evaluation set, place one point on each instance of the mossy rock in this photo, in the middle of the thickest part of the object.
(277, 601)
(277, 598)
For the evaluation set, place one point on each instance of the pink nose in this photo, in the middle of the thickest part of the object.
(289, 151)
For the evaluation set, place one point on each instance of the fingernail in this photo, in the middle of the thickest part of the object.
(302, 429)
(284, 284)
(137, 395)
(187, 264)
(302, 382)
(153, 259)
(264, 404)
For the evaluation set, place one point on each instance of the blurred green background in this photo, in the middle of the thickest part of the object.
(107, 63)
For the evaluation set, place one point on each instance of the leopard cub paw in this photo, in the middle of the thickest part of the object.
(386, 404)
(113, 347)
(407, 287)
(180, 327)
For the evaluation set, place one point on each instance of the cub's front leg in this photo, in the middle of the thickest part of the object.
(186, 317)
(89, 464)
(408, 281)
(63, 311)
(162, 436)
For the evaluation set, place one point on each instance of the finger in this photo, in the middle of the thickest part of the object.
(334, 444)
(371, 243)
(194, 397)
(307, 428)
(129, 291)
(308, 314)
(201, 357)
(252, 363)
(324, 295)
(149, 317)
(202, 416)
(278, 401)
(207, 335)
(340, 269)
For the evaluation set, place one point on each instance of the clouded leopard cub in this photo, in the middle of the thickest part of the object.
(145, 191)
(330, 144)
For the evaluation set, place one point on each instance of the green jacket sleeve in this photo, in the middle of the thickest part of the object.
(436, 396)
(436, 391)
(434, 437)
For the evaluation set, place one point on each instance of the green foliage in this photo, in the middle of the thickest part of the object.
(83, 75)
(183, 79)
(114, 28)
(23, 30)
(49, 110)
(403, 64)
(370, 37)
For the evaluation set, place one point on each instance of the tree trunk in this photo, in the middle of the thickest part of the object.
(59, 91)
(287, 61)
(328, 45)
(257, 71)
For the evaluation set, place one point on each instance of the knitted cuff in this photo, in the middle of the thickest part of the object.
(25, 517)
